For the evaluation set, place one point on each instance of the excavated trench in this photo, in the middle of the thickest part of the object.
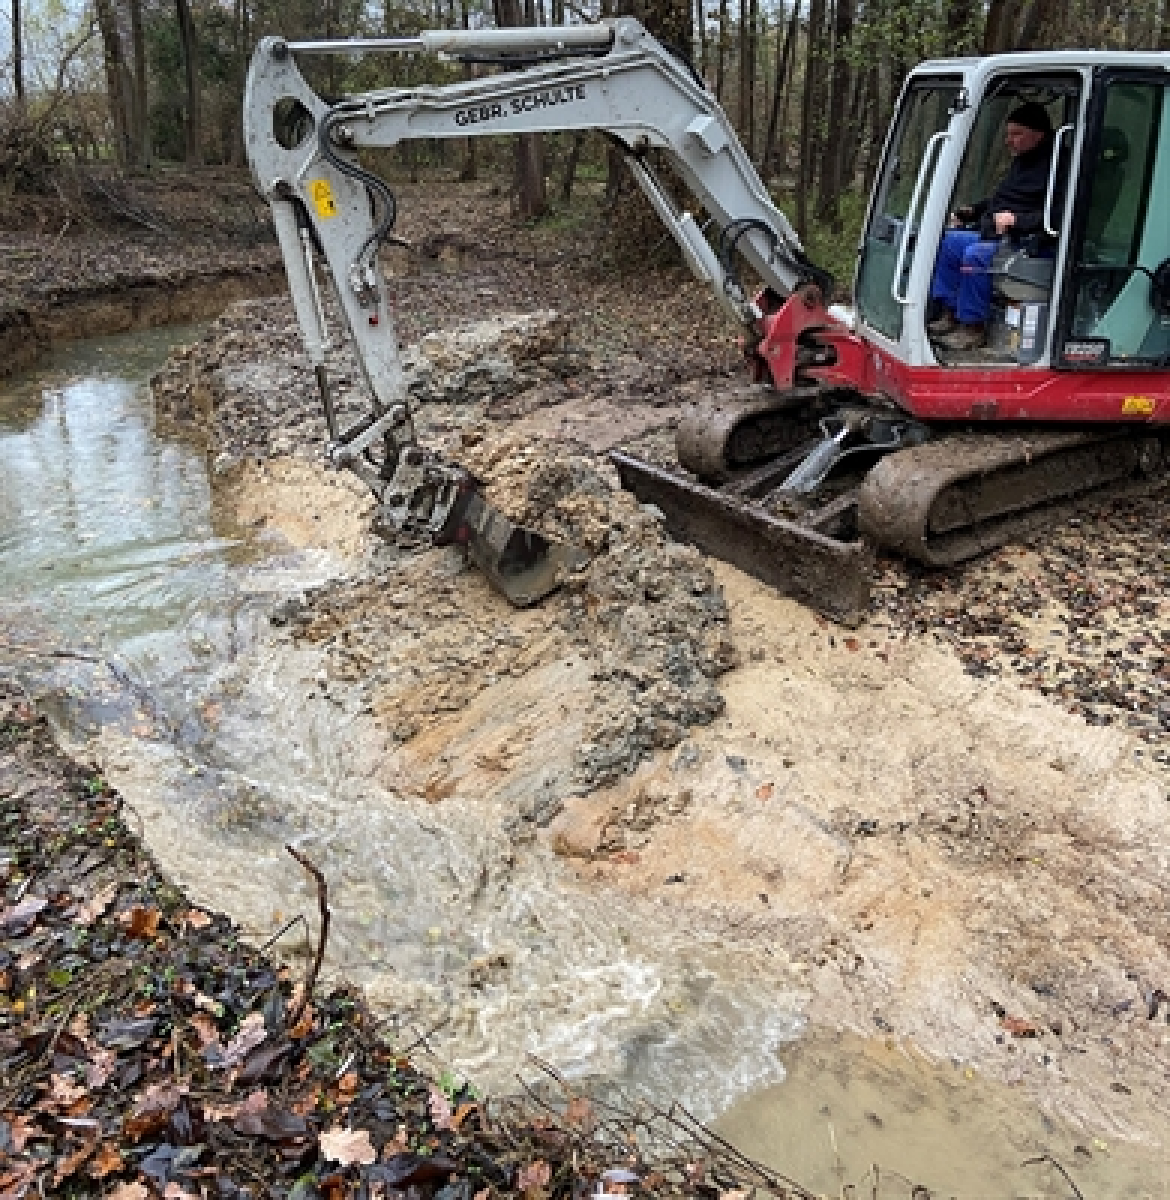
(668, 831)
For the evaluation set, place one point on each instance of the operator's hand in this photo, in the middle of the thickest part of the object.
(1003, 222)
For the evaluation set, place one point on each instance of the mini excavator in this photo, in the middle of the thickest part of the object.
(855, 429)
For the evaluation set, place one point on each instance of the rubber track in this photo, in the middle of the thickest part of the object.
(961, 495)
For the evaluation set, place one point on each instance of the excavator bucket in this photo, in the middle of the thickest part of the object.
(519, 562)
(805, 560)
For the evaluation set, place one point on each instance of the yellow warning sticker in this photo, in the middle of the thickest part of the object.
(323, 202)
(1138, 406)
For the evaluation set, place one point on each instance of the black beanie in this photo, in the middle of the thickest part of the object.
(1031, 116)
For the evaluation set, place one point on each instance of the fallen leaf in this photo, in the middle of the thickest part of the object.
(153, 1111)
(62, 1090)
(20, 916)
(1019, 1027)
(208, 1005)
(20, 1131)
(440, 1109)
(347, 1146)
(347, 1087)
(462, 1113)
(206, 1032)
(305, 1023)
(142, 922)
(196, 918)
(126, 1035)
(765, 790)
(534, 1177)
(109, 1159)
(68, 1165)
(97, 904)
(250, 1034)
(176, 1191)
(102, 1064)
(579, 1111)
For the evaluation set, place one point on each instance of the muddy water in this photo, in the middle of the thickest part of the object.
(140, 614)
(851, 1110)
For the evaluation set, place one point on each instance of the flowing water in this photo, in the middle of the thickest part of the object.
(140, 615)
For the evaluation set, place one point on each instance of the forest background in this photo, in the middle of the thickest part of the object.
(134, 85)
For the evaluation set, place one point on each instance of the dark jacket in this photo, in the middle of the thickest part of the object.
(1021, 191)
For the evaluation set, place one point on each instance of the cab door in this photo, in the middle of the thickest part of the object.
(890, 241)
(1116, 302)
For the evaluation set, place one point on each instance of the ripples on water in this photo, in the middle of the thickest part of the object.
(111, 548)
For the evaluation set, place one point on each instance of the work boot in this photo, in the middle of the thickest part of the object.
(943, 324)
(965, 337)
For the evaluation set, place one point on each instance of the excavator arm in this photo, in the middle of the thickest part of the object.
(613, 77)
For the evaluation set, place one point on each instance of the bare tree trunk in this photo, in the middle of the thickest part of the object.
(997, 28)
(193, 124)
(745, 79)
(141, 111)
(17, 54)
(811, 106)
(531, 198)
(775, 144)
(721, 50)
(570, 175)
(833, 162)
(115, 78)
(700, 19)
(240, 41)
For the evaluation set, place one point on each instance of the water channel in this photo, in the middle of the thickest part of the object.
(138, 613)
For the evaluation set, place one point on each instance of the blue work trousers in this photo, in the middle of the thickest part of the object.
(962, 275)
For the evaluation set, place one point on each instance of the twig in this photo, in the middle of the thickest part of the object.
(422, 1039)
(1031, 1162)
(38, 652)
(323, 936)
(299, 918)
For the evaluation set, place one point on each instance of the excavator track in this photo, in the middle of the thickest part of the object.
(961, 495)
(940, 503)
(714, 440)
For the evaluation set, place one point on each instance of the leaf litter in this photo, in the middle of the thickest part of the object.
(147, 1052)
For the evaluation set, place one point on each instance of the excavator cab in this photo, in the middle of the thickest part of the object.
(1090, 289)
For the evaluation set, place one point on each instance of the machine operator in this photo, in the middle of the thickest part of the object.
(960, 291)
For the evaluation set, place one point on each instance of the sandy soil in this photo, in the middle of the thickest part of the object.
(944, 854)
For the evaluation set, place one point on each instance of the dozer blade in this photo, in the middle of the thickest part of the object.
(833, 577)
(519, 562)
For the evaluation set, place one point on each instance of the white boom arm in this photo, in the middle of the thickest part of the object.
(611, 76)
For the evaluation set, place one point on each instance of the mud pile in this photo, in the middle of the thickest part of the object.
(421, 636)
(248, 386)
(413, 634)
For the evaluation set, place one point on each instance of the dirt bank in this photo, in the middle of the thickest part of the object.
(105, 253)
